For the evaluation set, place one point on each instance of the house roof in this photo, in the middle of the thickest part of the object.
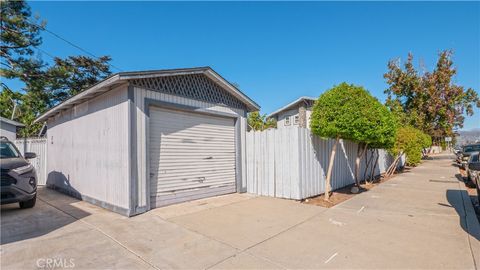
(122, 77)
(290, 105)
(12, 122)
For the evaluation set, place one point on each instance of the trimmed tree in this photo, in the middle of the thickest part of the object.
(411, 142)
(349, 112)
(384, 137)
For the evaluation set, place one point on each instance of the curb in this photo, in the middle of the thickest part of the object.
(473, 226)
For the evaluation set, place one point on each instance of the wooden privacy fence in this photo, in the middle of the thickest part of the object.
(292, 163)
(39, 147)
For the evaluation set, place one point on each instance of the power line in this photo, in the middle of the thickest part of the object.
(70, 43)
(45, 52)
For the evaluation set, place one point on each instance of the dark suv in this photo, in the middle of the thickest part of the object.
(18, 176)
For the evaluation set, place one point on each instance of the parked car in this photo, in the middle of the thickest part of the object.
(473, 172)
(458, 156)
(472, 159)
(18, 177)
(467, 150)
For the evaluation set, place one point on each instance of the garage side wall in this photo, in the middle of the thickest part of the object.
(8, 130)
(141, 118)
(88, 151)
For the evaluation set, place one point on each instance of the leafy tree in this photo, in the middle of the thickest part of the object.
(43, 85)
(258, 122)
(431, 101)
(72, 75)
(7, 99)
(349, 112)
(411, 142)
(19, 35)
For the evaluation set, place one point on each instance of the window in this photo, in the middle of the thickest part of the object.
(471, 148)
(296, 119)
(7, 150)
(287, 120)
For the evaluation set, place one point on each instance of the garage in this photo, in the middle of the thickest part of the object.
(192, 156)
(146, 139)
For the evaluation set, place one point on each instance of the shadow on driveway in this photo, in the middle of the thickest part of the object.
(456, 200)
(22, 224)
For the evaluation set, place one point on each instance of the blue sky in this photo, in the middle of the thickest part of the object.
(275, 51)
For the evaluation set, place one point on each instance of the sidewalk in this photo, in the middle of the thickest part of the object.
(419, 219)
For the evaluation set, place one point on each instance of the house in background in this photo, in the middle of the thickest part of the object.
(9, 128)
(296, 113)
(140, 140)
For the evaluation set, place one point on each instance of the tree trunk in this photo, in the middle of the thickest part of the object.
(393, 167)
(372, 173)
(360, 152)
(329, 171)
(368, 162)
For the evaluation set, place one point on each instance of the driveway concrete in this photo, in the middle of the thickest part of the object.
(419, 219)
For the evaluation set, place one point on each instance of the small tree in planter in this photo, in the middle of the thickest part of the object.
(349, 112)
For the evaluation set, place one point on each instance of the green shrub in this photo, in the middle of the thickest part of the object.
(411, 141)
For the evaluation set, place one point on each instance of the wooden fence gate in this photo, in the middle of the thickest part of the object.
(39, 147)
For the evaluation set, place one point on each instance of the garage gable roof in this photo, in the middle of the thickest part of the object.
(11, 122)
(290, 105)
(123, 77)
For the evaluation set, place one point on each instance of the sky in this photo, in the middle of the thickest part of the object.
(275, 51)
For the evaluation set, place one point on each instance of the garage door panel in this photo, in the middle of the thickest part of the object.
(191, 155)
(167, 171)
(179, 185)
(195, 177)
(208, 135)
(189, 142)
(212, 148)
(174, 167)
(195, 172)
(190, 195)
(192, 130)
(173, 161)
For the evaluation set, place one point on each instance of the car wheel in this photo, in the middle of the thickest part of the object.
(28, 204)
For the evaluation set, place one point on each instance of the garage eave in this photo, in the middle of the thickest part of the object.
(124, 77)
(79, 98)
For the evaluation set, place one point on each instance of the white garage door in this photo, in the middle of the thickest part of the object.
(192, 156)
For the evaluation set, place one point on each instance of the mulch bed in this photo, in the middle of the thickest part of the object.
(343, 194)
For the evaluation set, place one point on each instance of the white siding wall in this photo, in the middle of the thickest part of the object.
(283, 115)
(140, 95)
(8, 130)
(88, 148)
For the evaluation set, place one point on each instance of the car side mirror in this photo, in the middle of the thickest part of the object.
(475, 166)
(30, 155)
